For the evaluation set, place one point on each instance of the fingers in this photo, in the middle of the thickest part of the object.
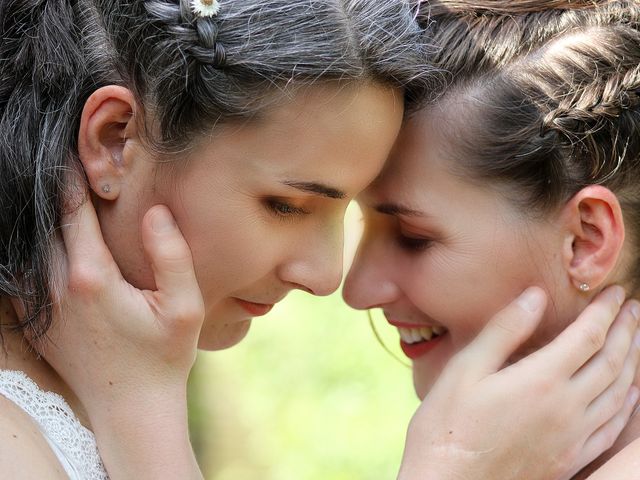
(81, 230)
(610, 401)
(177, 289)
(90, 265)
(586, 335)
(506, 331)
(603, 438)
(619, 354)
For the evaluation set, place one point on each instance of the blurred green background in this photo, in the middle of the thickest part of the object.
(309, 395)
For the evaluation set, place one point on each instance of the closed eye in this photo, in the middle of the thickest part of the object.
(283, 209)
(414, 244)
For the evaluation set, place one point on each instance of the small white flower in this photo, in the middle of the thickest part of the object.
(205, 8)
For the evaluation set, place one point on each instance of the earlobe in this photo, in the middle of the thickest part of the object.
(595, 239)
(106, 125)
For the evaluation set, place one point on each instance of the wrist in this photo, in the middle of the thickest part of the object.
(146, 439)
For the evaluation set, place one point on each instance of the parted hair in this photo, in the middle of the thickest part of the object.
(188, 73)
(553, 90)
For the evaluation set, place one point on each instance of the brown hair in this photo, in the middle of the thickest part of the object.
(554, 89)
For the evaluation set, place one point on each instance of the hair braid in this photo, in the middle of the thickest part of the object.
(554, 88)
(188, 73)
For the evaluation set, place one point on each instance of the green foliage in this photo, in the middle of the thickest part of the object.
(309, 395)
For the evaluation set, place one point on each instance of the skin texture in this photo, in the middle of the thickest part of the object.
(442, 248)
(466, 251)
(112, 336)
(250, 236)
(23, 444)
(228, 194)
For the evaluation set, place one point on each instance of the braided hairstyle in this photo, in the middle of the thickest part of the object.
(188, 72)
(196, 71)
(552, 91)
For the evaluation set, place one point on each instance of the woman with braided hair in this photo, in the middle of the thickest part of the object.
(171, 169)
(524, 170)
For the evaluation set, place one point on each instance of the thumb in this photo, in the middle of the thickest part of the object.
(177, 289)
(505, 332)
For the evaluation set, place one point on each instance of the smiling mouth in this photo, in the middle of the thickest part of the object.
(418, 341)
(422, 334)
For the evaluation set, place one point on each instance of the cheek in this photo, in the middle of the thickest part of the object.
(462, 291)
(230, 247)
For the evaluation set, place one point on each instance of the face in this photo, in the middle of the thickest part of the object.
(441, 254)
(261, 204)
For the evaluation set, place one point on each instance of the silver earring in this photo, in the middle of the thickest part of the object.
(106, 188)
(584, 287)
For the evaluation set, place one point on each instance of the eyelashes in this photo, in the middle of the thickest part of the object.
(414, 244)
(284, 210)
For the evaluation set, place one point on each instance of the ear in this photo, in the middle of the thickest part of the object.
(595, 236)
(107, 123)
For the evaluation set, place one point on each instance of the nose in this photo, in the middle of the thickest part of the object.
(369, 283)
(316, 265)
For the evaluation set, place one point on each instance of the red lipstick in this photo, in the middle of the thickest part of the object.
(416, 350)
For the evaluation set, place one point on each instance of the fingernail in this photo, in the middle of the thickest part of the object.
(162, 222)
(531, 300)
(636, 339)
(635, 310)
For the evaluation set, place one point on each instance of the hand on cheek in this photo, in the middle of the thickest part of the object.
(127, 353)
(544, 417)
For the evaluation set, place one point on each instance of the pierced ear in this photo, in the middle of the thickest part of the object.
(595, 238)
(107, 123)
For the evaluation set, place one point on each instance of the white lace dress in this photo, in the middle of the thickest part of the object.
(74, 445)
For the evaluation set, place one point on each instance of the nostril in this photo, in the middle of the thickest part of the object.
(299, 286)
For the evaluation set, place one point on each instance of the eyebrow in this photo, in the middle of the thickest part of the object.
(396, 209)
(317, 189)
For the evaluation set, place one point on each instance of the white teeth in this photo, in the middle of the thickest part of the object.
(405, 335)
(426, 333)
(416, 335)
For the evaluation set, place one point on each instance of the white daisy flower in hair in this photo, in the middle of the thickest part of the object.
(205, 8)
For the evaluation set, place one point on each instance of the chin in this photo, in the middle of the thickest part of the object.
(222, 337)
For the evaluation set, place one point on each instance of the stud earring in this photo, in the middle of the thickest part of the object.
(106, 188)
(584, 287)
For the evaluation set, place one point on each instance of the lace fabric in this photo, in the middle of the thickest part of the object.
(74, 445)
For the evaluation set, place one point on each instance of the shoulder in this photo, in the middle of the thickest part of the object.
(625, 465)
(24, 452)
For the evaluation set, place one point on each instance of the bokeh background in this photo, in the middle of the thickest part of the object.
(310, 394)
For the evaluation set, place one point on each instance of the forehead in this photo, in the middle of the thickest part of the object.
(325, 131)
(424, 172)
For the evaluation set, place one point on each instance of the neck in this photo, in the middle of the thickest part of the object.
(17, 353)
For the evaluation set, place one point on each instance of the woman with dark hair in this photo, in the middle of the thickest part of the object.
(220, 144)
(525, 170)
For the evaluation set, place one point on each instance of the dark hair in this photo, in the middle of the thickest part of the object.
(188, 73)
(552, 95)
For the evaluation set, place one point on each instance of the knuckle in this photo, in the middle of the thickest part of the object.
(174, 259)
(545, 386)
(506, 324)
(187, 314)
(86, 279)
(594, 337)
(614, 364)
